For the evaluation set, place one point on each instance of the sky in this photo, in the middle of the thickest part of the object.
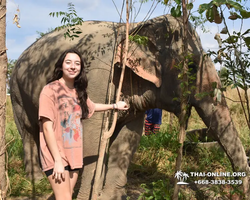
(34, 17)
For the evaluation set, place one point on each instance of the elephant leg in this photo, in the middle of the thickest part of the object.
(26, 119)
(91, 137)
(31, 157)
(30, 137)
(121, 151)
(218, 120)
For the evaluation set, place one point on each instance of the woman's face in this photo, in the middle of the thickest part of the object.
(71, 66)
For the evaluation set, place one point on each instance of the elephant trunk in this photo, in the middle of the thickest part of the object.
(143, 102)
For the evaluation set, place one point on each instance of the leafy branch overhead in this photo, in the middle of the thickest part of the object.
(236, 10)
(70, 20)
(142, 40)
(176, 11)
(233, 53)
(214, 13)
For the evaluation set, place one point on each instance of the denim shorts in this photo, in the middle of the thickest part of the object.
(50, 171)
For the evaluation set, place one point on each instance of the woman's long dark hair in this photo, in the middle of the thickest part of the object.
(80, 84)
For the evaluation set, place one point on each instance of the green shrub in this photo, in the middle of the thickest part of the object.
(15, 146)
(159, 190)
(163, 139)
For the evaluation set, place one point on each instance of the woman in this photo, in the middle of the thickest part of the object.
(63, 103)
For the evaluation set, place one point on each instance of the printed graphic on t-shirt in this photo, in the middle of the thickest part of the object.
(70, 115)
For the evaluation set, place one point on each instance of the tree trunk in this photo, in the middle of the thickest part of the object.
(183, 97)
(3, 70)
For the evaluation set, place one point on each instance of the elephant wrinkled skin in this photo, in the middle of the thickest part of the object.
(150, 81)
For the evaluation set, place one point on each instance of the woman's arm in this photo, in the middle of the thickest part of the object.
(120, 105)
(50, 139)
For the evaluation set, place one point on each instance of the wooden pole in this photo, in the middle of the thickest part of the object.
(107, 134)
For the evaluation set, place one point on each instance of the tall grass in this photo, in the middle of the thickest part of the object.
(19, 184)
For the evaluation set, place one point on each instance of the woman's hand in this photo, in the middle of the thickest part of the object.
(58, 172)
(121, 105)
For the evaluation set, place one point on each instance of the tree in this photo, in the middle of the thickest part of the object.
(10, 66)
(70, 20)
(3, 70)
(234, 49)
(184, 88)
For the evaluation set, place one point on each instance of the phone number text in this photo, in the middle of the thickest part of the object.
(219, 182)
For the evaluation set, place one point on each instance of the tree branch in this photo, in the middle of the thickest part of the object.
(234, 100)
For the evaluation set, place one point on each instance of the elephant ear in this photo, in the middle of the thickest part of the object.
(142, 60)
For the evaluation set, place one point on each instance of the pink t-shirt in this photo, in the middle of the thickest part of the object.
(59, 104)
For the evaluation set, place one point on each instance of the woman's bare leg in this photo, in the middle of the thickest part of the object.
(73, 179)
(61, 189)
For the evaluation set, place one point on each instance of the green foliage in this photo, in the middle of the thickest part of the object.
(70, 20)
(213, 155)
(21, 187)
(187, 78)
(176, 11)
(202, 95)
(163, 139)
(234, 49)
(158, 190)
(10, 66)
(237, 11)
(153, 149)
(215, 92)
(142, 40)
(145, 1)
(214, 13)
(41, 34)
(236, 72)
(236, 66)
(155, 153)
(199, 21)
(15, 149)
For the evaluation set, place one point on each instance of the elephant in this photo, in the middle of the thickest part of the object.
(150, 81)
